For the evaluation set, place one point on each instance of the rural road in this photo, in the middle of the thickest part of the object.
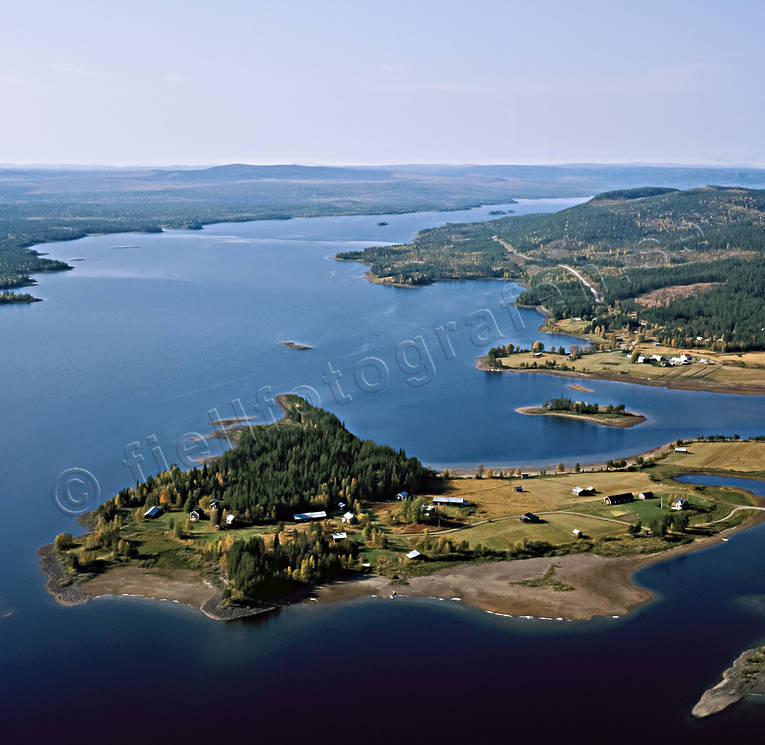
(583, 280)
(735, 509)
(523, 259)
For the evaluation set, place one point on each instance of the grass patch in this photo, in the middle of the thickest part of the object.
(546, 580)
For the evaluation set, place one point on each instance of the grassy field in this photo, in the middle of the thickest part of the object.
(615, 364)
(555, 528)
(490, 519)
(743, 456)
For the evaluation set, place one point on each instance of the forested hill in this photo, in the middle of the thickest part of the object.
(627, 243)
(306, 461)
(53, 204)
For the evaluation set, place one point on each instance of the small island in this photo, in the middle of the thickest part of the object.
(746, 676)
(294, 345)
(607, 416)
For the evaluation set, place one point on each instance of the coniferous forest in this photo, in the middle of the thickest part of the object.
(306, 461)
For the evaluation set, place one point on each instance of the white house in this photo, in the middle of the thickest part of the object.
(349, 518)
(681, 450)
(302, 516)
(194, 516)
(680, 503)
(230, 519)
(577, 532)
(458, 501)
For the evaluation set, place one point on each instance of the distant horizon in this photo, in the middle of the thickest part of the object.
(423, 164)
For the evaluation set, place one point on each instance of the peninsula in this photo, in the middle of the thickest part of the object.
(242, 535)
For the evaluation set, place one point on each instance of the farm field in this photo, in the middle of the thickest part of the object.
(743, 456)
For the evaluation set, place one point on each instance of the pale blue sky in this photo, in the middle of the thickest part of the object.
(166, 82)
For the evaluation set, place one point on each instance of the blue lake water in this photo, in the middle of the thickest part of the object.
(756, 486)
(152, 336)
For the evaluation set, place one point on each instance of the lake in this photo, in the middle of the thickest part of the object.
(152, 336)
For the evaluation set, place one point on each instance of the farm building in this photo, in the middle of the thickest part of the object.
(583, 491)
(151, 513)
(680, 503)
(457, 501)
(529, 517)
(681, 450)
(230, 519)
(618, 498)
(414, 554)
(578, 533)
(645, 495)
(302, 516)
(517, 488)
(194, 516)
(349, 518)
(339, 536)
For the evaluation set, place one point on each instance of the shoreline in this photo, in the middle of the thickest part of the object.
(458, 471)
(599, 586)
(602, 586)
(180, 586)
(741, 389)
(628, 420)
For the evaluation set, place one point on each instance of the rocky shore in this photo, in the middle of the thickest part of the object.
(746, 676)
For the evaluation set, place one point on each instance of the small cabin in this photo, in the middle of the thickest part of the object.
(151, 513)
(618, 498)
(582, 491)
(578, 533)
(414, 554)
(681, 450)
(402, 495)
(339, 537)
(518, 488)
(349, 518)
(230, 519)
(529, 517)
(681, 503)
(195, 516)
(645, 495)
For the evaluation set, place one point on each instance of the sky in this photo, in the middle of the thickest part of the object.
(334, 82)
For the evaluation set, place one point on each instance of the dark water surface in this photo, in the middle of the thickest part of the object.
(151, 336)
